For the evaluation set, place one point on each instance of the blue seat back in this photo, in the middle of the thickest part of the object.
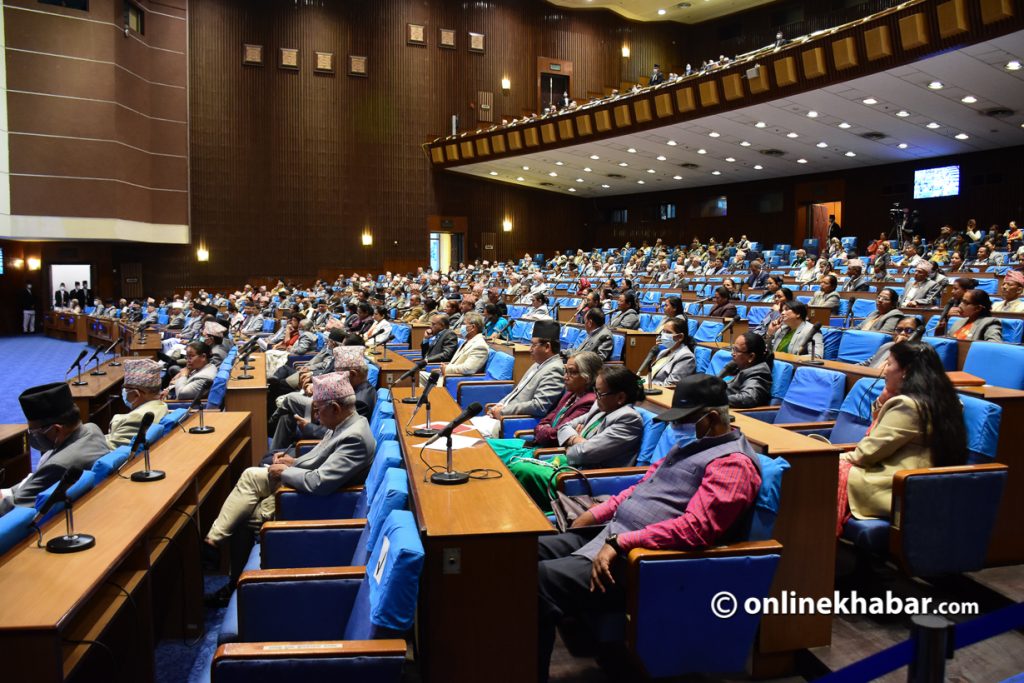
(386, 601)
(219, 389)
(81, 487)
(708, 331)
(388, 431)
(946, 348)
(652, 435)
(999, 364)
(755, 314)
(815, 394)
(862, 308)
(391, 495)
(782, 376)
(402, 332)
(981, 419)
(719, 361)
(168, 421)
(702, 356)
(372, 374)
(618, 342)
(989, 285)
(1013, 330)
(268, 324)
(14, 526)
(499, 366)
(766, 507)
(522, 330)
(650, 321)
(105, 465)
(855, 413)
(857, 346)
(831, 337)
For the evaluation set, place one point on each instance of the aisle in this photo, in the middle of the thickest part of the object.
(28, 360)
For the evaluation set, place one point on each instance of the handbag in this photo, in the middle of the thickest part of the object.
(567, 509)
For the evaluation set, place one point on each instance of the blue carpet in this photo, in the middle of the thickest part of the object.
(178, 660)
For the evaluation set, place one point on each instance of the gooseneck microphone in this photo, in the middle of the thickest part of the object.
(810, 343)
(78, 364)
(70, 542)
(414, 373)
(146, 474)
(448, 477)
(202, 427)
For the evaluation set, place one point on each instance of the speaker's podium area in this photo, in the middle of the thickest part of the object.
(548, 340)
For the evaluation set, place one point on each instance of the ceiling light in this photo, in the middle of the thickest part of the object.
(1013, 65)
(869, 101)
(932, 125)
(968, 99)
(961, 136)
(587, 169)
(661, 13)
(677, 177)
(526, 168)
(520, 179)
(572, 189)
(605, 186)
(579, 180)
(744, 144)
(650, 170)
(902, 145)
(559, 163)
(671, 143)
(631, 150)
(935, 85)
(713, 134)
(730, 159)
(822, 145)
(812, 114)
(623, 164)
(758, 167)
(702, 151)
(851, 154)
(801, 161)
(494, 173)
(792, 135)
(594, 157)
(661, 157)
(903, 113)
(553, 174)
(760, 124)
(639, 182)
(844, 125)
(716, 173)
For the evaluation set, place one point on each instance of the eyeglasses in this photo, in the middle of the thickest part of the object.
(906, 330)
(602, 394)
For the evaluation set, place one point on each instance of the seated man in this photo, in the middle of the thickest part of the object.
(543, 384)
(440, 343)
(141, 393)
(599, 338)
(342, 458)
(471, 357)
(55, 429)
(696, 496)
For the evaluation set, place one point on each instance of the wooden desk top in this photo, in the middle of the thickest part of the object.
(12, 431)
(959, 378)
(258, 374)
(98, 386)
(396, 361)
(154, 342)
(775, 440)
(41, 590)
(511, 349)
(478, 507)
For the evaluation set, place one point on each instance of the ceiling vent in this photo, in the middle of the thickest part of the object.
(689, 165)
(617, 176)
(682, 5)
(873, 135)
(998, 112)
(772, 152)
(547, 184)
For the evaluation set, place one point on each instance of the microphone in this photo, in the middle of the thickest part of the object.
(140, 440)
(448, 477)
(944, 317)
(414, 373)
(729, 370)
(432, 380)
(810, 342)
(70, 542)
(78, 363)
(140, 436)
(384, 357)
(849, 315)
(644, 369)
(728, 326)
(918, 333)
(202, 428)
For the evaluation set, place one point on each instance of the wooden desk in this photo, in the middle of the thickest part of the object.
(15, 459)
(478, 594)
(636, 347)
(65, 326)
(100, 398)
(149, 348)
(819, 314)
(250, 395)
(567, 313)
(806, 527)
(521, 358)
(102, 331)
(47, 600)
(417, 332)
(389, 372)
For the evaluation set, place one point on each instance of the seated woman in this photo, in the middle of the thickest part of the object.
(917, 422)
(722, 305)
(795, 335)
(772, 285)
(977, 323)
(903, 331)
(538, 308)
(627, 316)
(607, 434)
(197, 377)
(495, 324)
(676, 360)
(380, 330)
(748, 376)
(827, 295)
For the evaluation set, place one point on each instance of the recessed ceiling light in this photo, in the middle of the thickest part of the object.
(968, 99)
(631, 150)
(702, 151)
(869, 101)
(851, 154)
(526, 168)
(494, 173)
(932, 125)
(572, 189)
(579, 180)
(594, 157)
(587, 169)
(559, 163)
(661, 13)
(639, 182)
(623, 164)
(1013, 65)
(520, 178)
(605, 186)
(677, 177)
(716, 173)
(553, 174)
(744, 144)
(903, 145)
(758, 167)
(713, 134)
(812, 114)
(935, 85)
(822, 145)
(671, 143)
(730, 159)
(760, 124)
(961, 136)
(801, 161)
(903, 113)
(792, 135)
(844, 125)
(650, 170)
(661, 157)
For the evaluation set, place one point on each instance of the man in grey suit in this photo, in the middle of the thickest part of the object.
(342, 458)
(55, 429)
(599, 338)
(543, 384)
(445, 342)
(921, 289)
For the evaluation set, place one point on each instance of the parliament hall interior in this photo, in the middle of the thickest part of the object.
(581, 341)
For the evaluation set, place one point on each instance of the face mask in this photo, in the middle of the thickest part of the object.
(41, 442)
(462, 330)
(124, 398)
(682, 434)
(667, 339)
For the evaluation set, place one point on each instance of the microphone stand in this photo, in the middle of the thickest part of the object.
(78, 381)
(428, 430)
(448, 477)
(411, 398)
(384, 358)
(202, 427)
(70, 542)
(147, 474)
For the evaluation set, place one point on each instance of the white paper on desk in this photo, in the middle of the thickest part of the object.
(458, 442)
(487, 426)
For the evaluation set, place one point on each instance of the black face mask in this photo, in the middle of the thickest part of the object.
(39, 441)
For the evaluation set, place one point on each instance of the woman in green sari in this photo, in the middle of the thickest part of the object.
(580, 374)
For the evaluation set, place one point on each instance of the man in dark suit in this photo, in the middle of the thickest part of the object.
(656, 76)
(61, 298)
(757, 278)
(440, 346)
(76, 293)
(28, 302)
(833, 227)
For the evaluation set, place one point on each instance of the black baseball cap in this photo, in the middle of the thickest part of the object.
(695, 393)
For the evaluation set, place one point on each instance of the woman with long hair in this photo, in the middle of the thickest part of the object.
(917, 422)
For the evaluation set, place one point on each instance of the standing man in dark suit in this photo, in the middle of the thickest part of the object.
(76, 293)
(61, 298)
(28, 302)
(656, 76)
(86, 294)
(833, 227)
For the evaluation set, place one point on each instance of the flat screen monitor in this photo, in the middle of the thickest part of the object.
(943, 181)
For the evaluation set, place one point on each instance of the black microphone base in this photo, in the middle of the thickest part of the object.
(244, 375)
(449, 478)
(97, 373)
(424, 432)
(410, 399)
(201, 430)
(79, 383)
(384, 360)
(247, 367)
(813, 361)
(114, 364)
(148, 475)
(70, 544)
(652, 392)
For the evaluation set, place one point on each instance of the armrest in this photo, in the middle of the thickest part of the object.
(795, 426)
(524, 423)
(317, 650)
(899, 479)
(486, 391)
(311, 525)
(522, 433)
(547, 453)
(292, 505)
(305, 443)
(637, 555)
(311, 574)
(760, 409)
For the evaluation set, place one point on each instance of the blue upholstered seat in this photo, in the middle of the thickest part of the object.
(855, 413)
(857, 346)
(998, 364)
(14, 526)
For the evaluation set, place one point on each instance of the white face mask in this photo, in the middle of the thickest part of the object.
(667, 339)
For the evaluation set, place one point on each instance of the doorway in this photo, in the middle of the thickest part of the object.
(445, 251)
(818, 220)
(551, 88)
